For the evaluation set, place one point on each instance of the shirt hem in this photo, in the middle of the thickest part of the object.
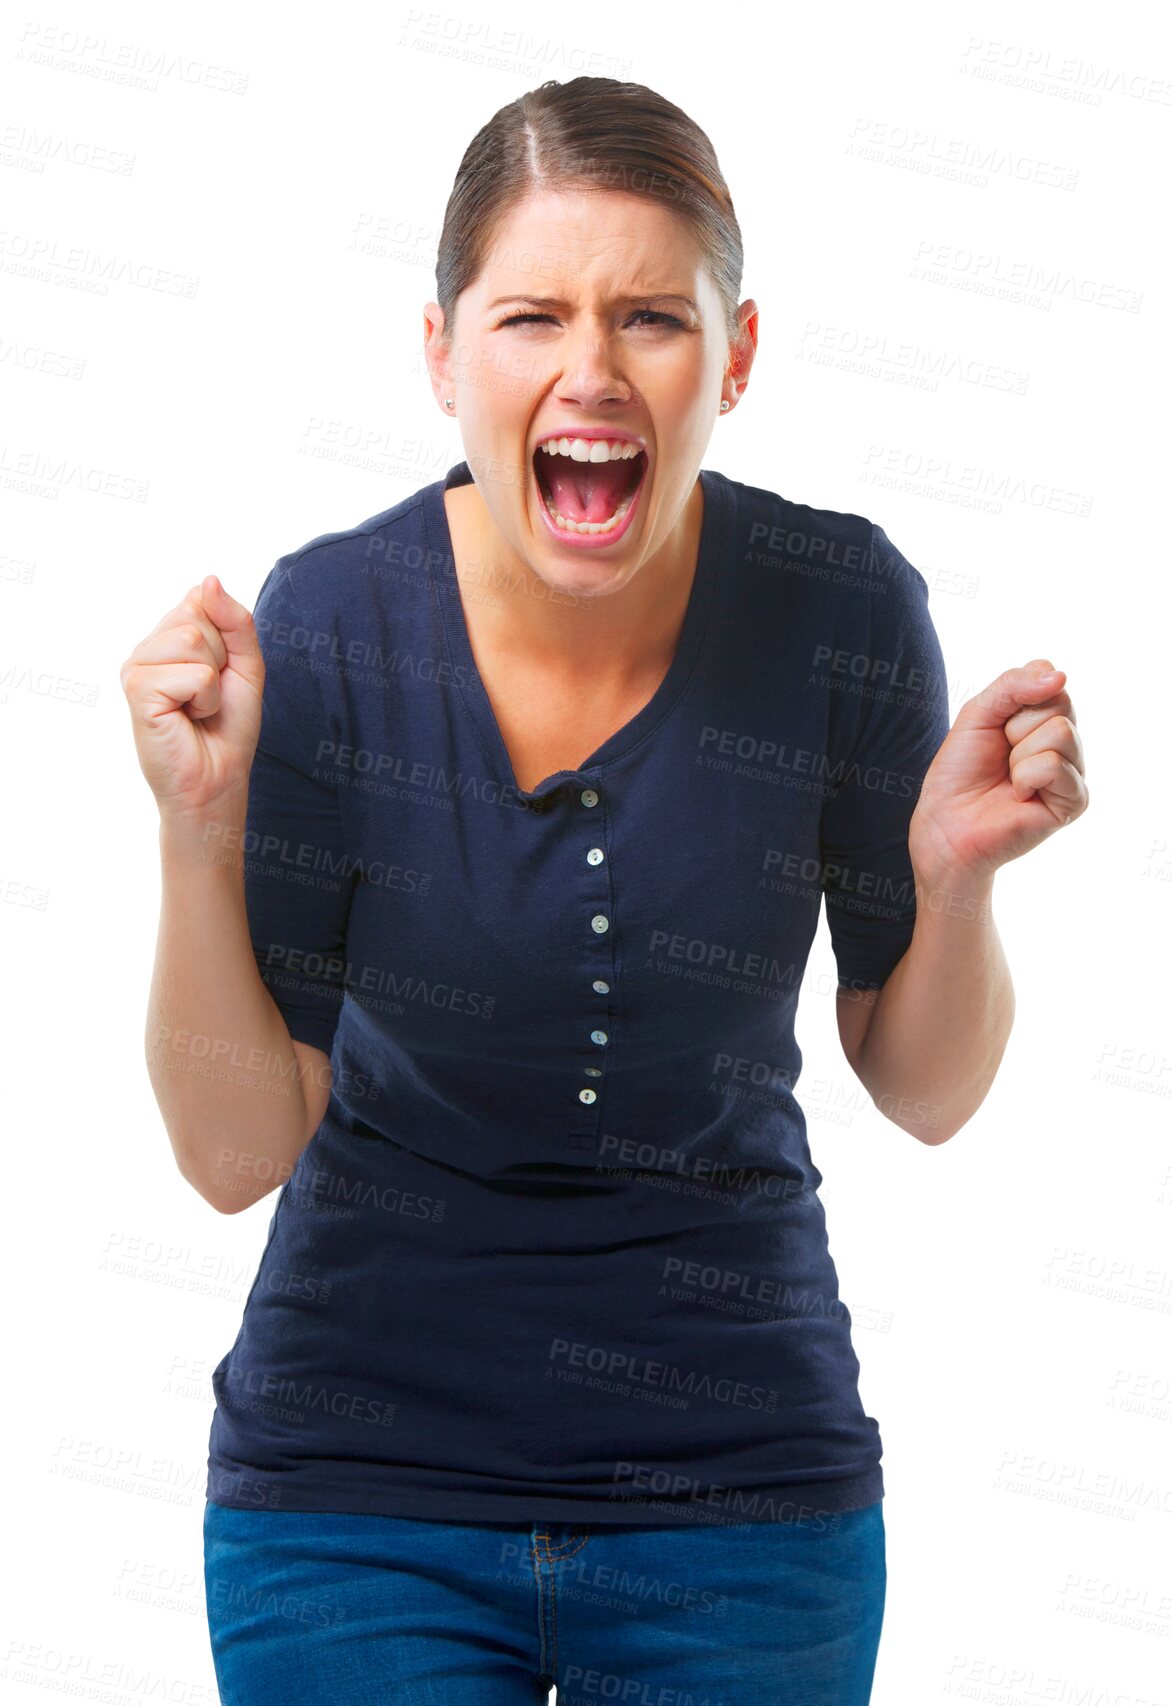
(797, 1502)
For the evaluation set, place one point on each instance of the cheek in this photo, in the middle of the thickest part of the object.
(681, 392)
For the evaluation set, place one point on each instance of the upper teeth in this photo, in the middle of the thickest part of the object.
(590, 449)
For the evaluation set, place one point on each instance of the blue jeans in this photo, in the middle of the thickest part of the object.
(314, 1609)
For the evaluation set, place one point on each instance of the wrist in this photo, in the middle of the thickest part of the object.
(948, 891)
(212, 837)
(937, 868)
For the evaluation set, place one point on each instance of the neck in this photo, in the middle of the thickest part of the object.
(524, 618)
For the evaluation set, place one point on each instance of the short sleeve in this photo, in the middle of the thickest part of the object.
(298, 880)
(891, 721)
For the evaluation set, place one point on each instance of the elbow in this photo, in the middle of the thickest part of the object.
(229, 1195)
(931, 1134)
(933, 1122)
(936, 1136)
(214, 1199)
(222, 1206)
(929, 1122)
(194, 1172)
(937, 1124)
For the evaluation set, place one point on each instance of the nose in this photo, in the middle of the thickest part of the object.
(590, 373)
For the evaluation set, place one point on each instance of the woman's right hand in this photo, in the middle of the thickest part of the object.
(195, 686)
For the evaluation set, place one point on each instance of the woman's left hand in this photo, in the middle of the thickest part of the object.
(1008, 774)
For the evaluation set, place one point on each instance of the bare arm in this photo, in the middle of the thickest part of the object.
(927, 1045)
(1009, 774)
(239, 1098)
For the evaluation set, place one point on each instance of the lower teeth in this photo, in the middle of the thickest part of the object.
(607, 526)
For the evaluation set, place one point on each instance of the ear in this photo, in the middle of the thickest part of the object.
(743, 350)
(437, 354)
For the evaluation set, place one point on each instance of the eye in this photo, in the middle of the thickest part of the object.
(654, 314)
(649, 314)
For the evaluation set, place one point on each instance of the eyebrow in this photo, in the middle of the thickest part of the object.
(558, 302)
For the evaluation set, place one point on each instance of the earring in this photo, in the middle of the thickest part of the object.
(724, 405)
(450, 401)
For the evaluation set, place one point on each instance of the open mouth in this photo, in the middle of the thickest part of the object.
(588, 497)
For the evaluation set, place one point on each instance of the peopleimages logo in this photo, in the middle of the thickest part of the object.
(808, 761)
(620, 1364)
(333, 972)
(722, 957)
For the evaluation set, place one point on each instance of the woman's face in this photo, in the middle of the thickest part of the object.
(629, 339)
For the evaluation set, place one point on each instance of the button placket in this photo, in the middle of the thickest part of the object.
(598, 923)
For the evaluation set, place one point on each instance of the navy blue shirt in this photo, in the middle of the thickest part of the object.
(556, 1249)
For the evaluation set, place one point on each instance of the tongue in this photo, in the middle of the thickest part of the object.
(588, 491)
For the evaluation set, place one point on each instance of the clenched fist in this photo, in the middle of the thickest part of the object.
(1010, 773)
(194, 686)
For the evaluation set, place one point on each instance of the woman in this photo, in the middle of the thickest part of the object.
(496, 919)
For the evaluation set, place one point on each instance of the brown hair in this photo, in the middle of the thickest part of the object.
(592, 134)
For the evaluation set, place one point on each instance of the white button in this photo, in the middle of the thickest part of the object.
(598, 1036)
(589, 797)
(592, 1071)
(587, 1095)
(599, 923)
(602, 986)
(595, 856)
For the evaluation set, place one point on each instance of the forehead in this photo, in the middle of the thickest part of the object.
(597, 240)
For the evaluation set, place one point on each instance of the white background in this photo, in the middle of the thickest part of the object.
(1012, 1289)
